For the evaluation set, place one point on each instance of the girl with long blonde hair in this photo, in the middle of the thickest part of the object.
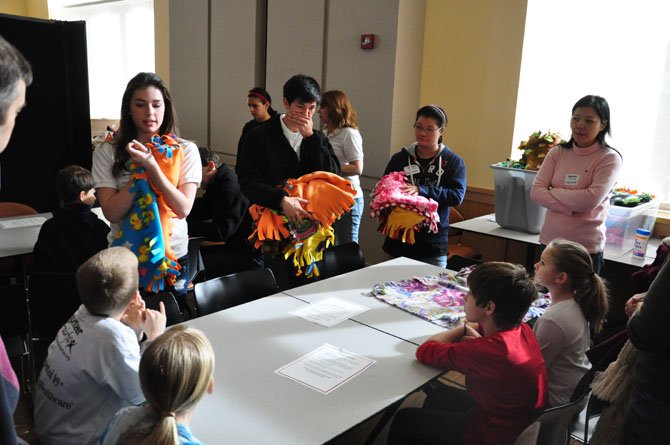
(176, 371)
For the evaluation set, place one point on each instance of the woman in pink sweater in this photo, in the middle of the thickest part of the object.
(576, 178)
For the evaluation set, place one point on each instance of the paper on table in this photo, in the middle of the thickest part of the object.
(326, 368)
(329, 311)
(22, 222)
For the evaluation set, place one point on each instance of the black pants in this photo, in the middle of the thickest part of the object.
(441, 420)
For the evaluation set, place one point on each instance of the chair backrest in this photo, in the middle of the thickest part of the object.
(196, 267)
(600, 355)
(457, 262)
(341, 259)
(555, 422)
(585, 423)
(173, 314)
(231, 290)
(9, 209)
(529, 435)
(455, 216)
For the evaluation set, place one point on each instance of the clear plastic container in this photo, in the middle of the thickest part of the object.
(622, 223)
(514, 208)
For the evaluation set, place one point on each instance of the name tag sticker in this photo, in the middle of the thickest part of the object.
(571, 179)
(412, 169)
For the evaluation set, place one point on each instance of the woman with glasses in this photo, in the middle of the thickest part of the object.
(434, 171)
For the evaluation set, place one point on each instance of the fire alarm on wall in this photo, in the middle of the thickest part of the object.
(367, 41)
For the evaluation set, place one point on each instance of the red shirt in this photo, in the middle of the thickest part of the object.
(505, 376)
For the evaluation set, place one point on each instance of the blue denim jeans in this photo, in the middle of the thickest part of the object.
(439, 261)
(346, 228)
(181, 285)
(598, 260)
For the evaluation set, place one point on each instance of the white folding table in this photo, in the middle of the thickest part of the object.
(355, 286)
(251, 404)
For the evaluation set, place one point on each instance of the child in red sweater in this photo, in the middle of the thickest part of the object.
(504, 370)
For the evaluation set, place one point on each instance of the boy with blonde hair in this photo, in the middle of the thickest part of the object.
(91, 370)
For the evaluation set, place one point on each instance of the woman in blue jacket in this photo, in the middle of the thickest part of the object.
(434, 171)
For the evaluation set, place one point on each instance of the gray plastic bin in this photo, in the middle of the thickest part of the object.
(514, 208)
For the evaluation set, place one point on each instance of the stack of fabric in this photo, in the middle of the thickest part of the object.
(328, 197)
(401, 214)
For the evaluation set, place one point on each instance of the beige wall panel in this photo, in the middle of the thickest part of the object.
(407, 78)
(295, 43)
(162, 39)
(233, 46)
(14, 7)
(366, 76)
(189, 63)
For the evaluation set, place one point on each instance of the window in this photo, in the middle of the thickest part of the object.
(615, 49)
(120, 40)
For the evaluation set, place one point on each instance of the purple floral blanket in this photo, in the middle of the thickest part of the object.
(439, 299)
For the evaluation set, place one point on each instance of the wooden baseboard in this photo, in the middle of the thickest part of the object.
(478, 201)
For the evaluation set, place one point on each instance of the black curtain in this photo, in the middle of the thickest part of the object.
(54, 129)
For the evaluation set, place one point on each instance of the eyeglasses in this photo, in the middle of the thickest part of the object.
(430, 130)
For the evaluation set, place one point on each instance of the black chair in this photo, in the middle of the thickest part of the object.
(555, 422)
(173, 314)
(341, 259)
(601, 356)
(195, 263)
(455, 248)
(53, 298)
(15, 332)
(231, 290)
(529, 435)
(457, 262)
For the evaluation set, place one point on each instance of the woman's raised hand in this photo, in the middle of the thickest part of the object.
(139, 153)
